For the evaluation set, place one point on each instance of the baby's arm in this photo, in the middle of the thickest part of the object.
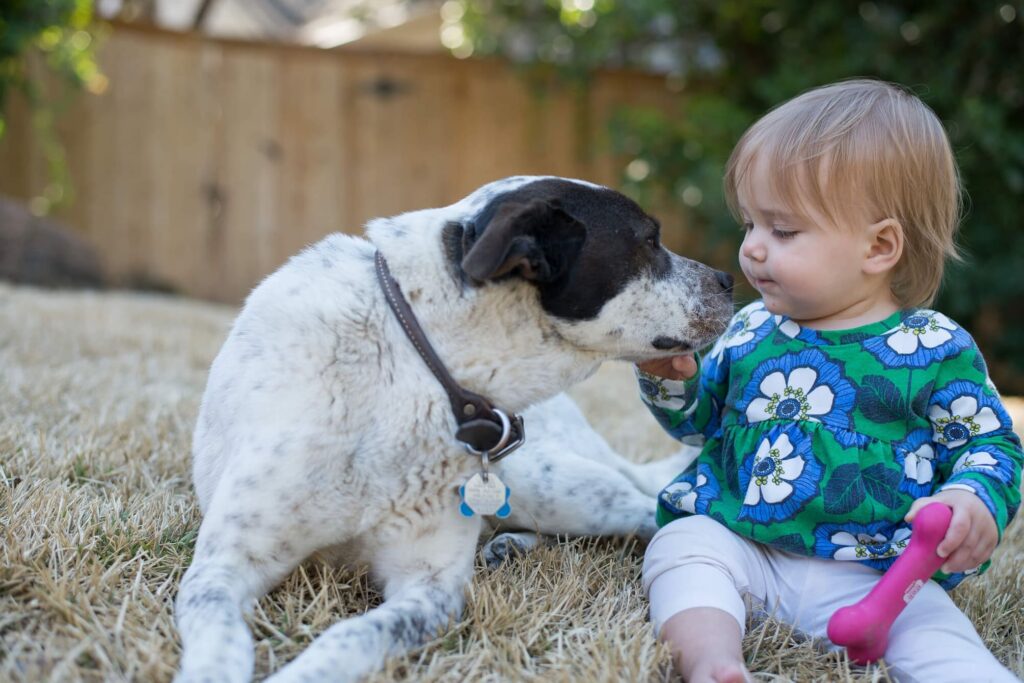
(682, 403)
(978, 461)
(685, 402)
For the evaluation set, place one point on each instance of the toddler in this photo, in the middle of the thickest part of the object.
(838, 405)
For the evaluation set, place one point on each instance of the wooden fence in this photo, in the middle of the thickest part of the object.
(207, 162)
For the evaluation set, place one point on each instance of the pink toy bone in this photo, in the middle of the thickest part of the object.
(863, 628)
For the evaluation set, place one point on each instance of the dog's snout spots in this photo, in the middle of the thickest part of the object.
(671, 344)
(725, 280)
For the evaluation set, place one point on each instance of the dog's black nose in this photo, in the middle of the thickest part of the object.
(667, 343)
(725, 280)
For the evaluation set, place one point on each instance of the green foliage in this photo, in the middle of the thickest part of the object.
(57, 31)
(735, 59)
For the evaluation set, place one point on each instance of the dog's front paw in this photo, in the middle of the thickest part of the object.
(297, 675)
(507, 545)
(213, 675)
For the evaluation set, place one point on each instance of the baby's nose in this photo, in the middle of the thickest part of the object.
(752, 249)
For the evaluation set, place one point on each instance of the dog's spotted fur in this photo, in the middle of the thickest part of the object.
(322, 431)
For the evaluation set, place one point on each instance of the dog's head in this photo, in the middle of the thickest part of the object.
(596, 259)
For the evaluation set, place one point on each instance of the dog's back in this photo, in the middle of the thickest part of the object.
(308, 341)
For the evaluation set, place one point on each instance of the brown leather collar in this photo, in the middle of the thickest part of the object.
(482, 427)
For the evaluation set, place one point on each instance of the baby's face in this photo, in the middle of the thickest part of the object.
(804, 267)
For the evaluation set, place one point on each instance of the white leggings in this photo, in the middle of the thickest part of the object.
(697, 562)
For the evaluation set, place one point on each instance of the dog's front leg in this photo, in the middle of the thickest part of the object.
(236, 561)
(558, 426)
(424, 571)
(558, 491)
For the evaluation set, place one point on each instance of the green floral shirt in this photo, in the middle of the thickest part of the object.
(817, 442)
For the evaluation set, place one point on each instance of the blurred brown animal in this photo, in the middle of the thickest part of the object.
(39, 251)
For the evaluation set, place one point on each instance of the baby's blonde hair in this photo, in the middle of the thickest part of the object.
(865, 144)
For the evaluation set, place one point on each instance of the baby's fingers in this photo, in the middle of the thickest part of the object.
(678, 367)
(958, 529)
(916, 507)
(973, 552)
(685, 366)
(961, 560)
(968, 557)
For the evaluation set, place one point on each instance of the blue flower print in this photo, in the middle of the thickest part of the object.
(803, 386)
(749, 326)
(987, 460)
(691, 492)
(962, 411)
(918, 341)
(648, 388)
(711, 366)
(875, 544)
(663, 393)
(794, 331)
(780, 477)
(714, 422)
(916, 457)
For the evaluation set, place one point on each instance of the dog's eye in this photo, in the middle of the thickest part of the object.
(653, 241)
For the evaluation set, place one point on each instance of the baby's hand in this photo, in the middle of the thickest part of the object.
(972, 533)
(675, 367)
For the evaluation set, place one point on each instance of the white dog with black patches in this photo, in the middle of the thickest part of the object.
(322, 430)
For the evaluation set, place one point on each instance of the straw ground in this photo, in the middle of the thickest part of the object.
(98, 393)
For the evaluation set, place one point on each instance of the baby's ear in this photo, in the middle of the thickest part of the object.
(885, 246)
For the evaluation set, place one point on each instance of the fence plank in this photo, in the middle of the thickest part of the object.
(207, 163)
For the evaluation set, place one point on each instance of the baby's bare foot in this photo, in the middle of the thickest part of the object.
(731, 673)
(706, 645)
(719, 671)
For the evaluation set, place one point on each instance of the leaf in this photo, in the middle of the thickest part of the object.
(845, 490)
(922, 399)
(855, 338)
(731, 466)
(882, 484)
(979, 364)
(880, 400)
(793, 543)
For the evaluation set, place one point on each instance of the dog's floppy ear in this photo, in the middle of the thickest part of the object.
(537, 240)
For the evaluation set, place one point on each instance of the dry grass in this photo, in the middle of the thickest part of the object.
(97, 521)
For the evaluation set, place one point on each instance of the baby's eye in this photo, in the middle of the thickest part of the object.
(747, 226)
(783, 234)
